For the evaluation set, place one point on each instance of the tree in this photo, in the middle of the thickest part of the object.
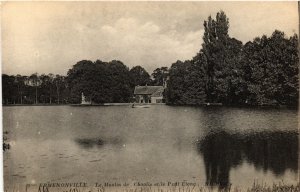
(222, 55)
(185, 84)
(8, 89)
(139, 76)
(159, 76)
(34, 80)
(59, 82)
(119, 85)
(77, 80)
(101, 82)
(19, 82)
(47, 87)
(175, 87)
(271, 65)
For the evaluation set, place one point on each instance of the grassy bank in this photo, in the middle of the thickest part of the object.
(256, 187)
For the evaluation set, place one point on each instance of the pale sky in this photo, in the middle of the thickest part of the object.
(50, 37)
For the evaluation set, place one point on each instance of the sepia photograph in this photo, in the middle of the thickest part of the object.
(150, 96)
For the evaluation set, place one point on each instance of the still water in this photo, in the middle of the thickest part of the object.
(210, 146)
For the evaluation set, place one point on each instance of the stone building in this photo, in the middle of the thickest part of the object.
(149, 94)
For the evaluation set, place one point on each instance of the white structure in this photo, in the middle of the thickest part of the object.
(84, 100)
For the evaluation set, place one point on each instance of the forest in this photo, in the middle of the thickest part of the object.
(101, 82)
(263, 71)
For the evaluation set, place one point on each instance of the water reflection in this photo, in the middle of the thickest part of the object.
(89, 142)
(159, 148)
(275, 151)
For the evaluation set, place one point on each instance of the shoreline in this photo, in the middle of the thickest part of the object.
(82, 105)
(206, 105)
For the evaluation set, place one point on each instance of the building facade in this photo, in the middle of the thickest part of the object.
(149, 94)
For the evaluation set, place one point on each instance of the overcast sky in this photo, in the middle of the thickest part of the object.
(50, 37)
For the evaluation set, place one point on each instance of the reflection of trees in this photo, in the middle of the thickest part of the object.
(89, 143)
(219, 155)
(98, 142)
(275, 151)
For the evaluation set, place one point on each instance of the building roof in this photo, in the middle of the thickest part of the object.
(155, 91)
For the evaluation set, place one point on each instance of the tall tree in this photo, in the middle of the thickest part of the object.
(159, 76)
(19, 81)
(222, 55)
(59, 82)
(139, 76)
(34, 81)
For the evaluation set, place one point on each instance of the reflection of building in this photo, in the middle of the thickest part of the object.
(148, 94)
(85, 100)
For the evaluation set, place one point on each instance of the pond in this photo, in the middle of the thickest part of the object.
(214, 146)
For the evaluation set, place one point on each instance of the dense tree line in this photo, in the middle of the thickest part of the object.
(261, 72)
(34, 89)
(109, 82)
(100, 82)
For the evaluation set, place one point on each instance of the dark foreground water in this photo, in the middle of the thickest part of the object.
(209, 146)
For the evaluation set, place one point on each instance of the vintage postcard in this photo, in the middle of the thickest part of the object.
(148, 96)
